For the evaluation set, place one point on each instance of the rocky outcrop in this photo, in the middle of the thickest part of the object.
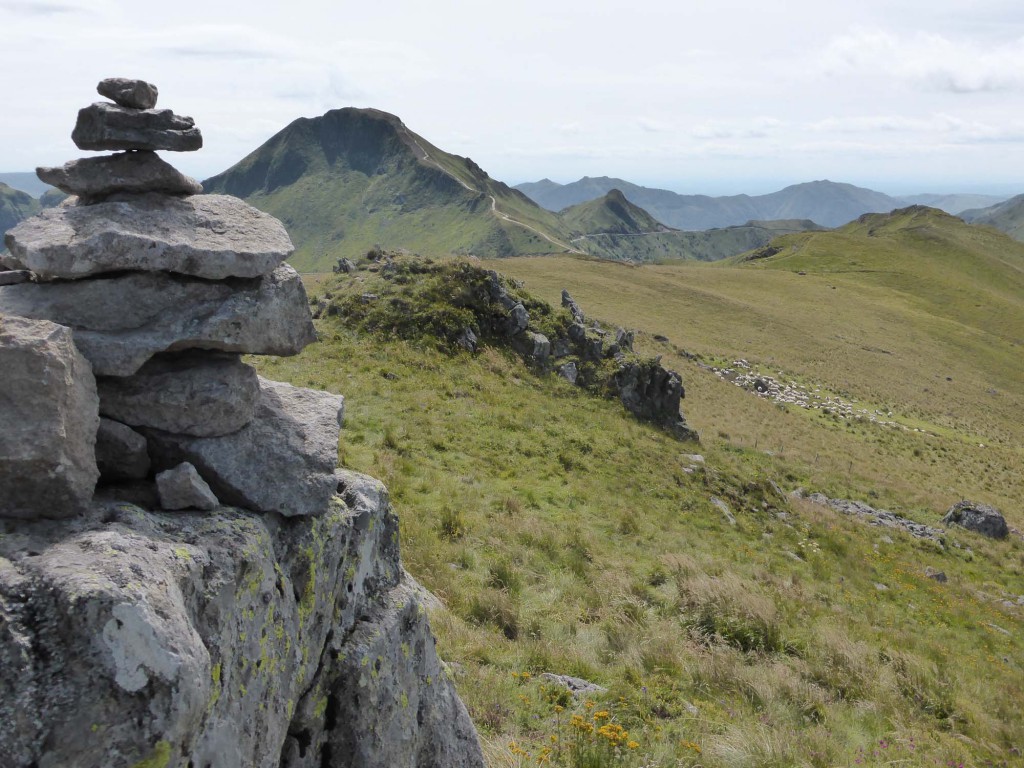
(652, 393)
(980, 518)
(882, 518)
(227, 638)
(48, 422)
(152, 625)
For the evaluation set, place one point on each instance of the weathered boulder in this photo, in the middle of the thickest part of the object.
(131, 172)
(652, 393)
(209, 236)
(539, 347)
(624, 339)
(282, 461)
(126, 92)
(120, 452)
(518, 320)
(981, 518)
(182, 488)
(48, 422)
(123, 321)
(105, 126)
(196, 392)
(216, 639)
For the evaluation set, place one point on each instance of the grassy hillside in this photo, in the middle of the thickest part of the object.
(564, 536)
(707, 245)
(355, 178)
(918, 314)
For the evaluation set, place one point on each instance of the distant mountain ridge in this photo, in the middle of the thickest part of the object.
(25, 181)
(828, 203)
(1007, 216)
(354, 178)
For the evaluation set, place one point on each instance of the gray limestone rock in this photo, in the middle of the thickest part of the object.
(394, 703)
(209, 236)
(539, 348)
(199, 393)
(120, 452)
(981, 518)
(183, 488)
(134, 94)
(467, 340)
(576, 685)
(624, 339)
(283, 461)
(132, 172)
(15, 277)
(226, 638)
(123, 321)
(573, 307)
(569, 372)
(48, 422)
(518, 320)
(103, 126)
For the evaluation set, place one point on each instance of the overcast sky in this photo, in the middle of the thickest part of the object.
(715, 96)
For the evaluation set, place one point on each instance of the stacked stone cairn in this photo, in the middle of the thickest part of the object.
(132, 633)
(122, 350)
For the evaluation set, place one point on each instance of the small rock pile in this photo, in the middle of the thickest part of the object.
(156, 290)
(882, 518)
(742, 374)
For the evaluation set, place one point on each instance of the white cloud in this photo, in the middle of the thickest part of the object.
(929, 60)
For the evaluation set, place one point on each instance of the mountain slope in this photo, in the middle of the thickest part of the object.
(731, 625)
(14, 206)
(25, 181)
(825, 202)
(1007, 216)
(955, 203)
(611, 214)
(355, 178)
(674, 244)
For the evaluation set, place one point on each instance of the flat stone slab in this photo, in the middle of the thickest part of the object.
(49, 414)
(14, 277)
(121, 322)
(199, 393)
(126, 92)
(283, 461)
(208, 236)
(133, 172)
(103, 126)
